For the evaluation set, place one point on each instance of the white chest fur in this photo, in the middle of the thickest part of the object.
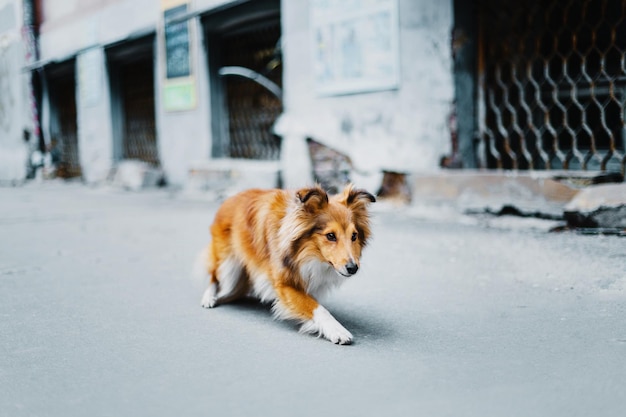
(320, 278)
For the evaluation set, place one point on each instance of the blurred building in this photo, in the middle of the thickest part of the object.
(195, 88)
(170, 83)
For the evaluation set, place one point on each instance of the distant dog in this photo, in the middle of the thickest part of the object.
(288, 248)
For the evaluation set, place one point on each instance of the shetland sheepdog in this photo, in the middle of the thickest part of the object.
(288, 248)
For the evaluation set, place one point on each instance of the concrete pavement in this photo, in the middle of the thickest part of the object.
(451, 318)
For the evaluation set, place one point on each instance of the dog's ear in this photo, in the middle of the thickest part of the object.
(355, 198)
(357, 201)
(359, 196)
(313, 198)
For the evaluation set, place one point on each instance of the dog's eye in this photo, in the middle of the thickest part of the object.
(331, 237)
(354, 236)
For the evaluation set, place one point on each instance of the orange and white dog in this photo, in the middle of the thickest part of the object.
(288, 248)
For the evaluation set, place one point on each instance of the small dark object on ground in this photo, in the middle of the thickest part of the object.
(510, 210)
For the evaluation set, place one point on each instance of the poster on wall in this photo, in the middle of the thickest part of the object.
(179, 87)
(178, 96)
(355, 45)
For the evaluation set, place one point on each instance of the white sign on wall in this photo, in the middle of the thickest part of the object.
(355, 45)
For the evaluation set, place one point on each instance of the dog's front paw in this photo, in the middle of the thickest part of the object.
(339, 335)
(327, 326)
(209, 299)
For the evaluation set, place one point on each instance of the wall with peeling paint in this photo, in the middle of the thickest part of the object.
(401, 130)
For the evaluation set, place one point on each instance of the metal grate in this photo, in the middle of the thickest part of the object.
(252, 108)
(553, 90)
(137, 83)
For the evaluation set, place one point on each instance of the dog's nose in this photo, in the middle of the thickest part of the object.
(351, 267)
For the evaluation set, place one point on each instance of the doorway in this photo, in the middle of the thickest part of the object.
(246, 78)
(131, 69)
(63, 147)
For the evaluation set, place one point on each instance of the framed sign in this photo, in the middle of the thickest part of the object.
(177, 59)
(179, 95)
(355, 45)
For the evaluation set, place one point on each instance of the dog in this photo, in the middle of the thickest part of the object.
(288, 248)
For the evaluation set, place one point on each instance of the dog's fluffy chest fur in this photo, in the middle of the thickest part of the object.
(320, 278)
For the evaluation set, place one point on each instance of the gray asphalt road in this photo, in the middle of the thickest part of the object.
(99, 318)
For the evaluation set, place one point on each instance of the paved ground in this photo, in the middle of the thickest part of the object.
(98, 318)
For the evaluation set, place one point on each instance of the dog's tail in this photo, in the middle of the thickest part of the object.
(200, 270)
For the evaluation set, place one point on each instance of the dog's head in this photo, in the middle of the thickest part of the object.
(338, 227)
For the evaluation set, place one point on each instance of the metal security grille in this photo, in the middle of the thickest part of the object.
(252, 109)
(553, 88)
(137, 82)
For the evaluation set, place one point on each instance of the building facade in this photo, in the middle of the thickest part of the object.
(358, 86)
(177, 83)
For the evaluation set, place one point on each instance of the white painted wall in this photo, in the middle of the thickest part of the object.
(14, 108)
(71, 26)
(211, 4)
(93, 111)
(403, 129)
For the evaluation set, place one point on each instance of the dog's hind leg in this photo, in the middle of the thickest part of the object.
(205, 269)
(229, 281)
(209, 298)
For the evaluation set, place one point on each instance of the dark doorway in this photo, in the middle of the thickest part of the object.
(245, 38)
(131, 69)
(63, 146)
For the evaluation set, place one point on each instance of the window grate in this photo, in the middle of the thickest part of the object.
(137, 85)
(252, 109)
(553, 84)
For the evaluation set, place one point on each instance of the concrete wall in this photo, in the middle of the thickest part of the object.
(72, 25)
(93, 111)
(403, 129)
(14, 108)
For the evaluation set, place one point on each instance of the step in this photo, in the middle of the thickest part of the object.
(219, 178)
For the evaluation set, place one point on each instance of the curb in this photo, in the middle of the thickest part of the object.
(544, 195)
